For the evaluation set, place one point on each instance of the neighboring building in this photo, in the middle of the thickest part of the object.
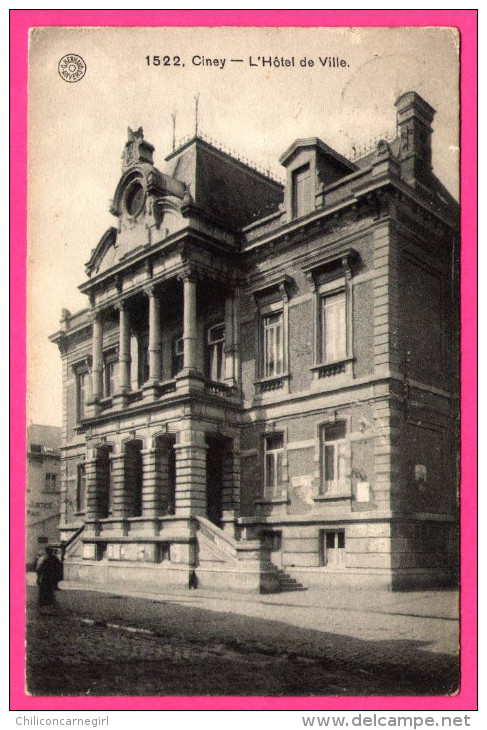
(264, 387)
(43, 491)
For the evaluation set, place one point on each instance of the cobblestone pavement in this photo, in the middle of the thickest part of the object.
(110, 644)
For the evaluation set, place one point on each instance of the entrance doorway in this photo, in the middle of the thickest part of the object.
(214, 479)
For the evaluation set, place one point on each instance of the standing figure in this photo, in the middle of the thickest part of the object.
(49, 573)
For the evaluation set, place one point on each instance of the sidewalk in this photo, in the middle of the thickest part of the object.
(429, 617)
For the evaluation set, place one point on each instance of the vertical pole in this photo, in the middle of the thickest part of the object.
(189, 322)
(124, 349)
(154, 338)
(97, 344)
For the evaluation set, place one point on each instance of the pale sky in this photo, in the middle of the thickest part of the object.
(77, 131)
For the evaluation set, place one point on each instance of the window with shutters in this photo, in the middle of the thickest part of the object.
(301, 192)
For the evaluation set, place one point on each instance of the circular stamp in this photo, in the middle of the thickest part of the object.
(71, 68)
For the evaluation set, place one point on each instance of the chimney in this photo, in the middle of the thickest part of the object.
(414, 120)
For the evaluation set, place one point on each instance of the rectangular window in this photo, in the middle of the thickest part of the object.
(333, 327)
(215, 353)
(274, 446)
(50, 483)
(110, 375)
(301, 192)
(81, 394)
(334, 457)
(177, 355)
(333, 547)
(273, 345)
(81, 488)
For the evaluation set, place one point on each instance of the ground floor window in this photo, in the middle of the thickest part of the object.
(333, 547)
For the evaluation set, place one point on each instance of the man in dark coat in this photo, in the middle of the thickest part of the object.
(49, 573)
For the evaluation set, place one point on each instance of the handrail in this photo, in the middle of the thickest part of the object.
(211, 527)
(71, 539)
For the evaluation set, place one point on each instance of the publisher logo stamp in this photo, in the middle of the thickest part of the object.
(71, 68)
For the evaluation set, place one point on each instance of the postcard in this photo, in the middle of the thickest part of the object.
(243, 324)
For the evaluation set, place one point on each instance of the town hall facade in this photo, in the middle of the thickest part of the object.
(262, 393)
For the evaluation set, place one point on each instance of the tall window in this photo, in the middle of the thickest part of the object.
(214, 352)
(110, 374)
(334, 457)
(51, 483)
(273, 345)
(133, 475)
(177, 355)
(81, 394)
(274, 446)
(301, 192)
(333, 327)
(143, 358)
(81, 488)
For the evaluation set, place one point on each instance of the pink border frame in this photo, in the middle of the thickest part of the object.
(466, 22)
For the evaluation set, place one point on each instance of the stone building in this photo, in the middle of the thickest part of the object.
(43, 489)
(263, 390)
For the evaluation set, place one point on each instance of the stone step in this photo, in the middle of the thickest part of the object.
(288, 583)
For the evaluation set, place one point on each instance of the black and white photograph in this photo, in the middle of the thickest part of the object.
(243, 362)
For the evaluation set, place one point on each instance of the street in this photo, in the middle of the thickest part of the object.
(197, 643)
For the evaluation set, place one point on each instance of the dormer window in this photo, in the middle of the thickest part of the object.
(301, 191)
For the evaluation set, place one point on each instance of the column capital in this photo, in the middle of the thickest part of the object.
(95, 315)
(189, 273)
(148, 290)
(121, 305)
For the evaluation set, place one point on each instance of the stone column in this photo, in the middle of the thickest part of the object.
(189, 322)
(154, 337)
(231, 487)
(92, 511)
(121, 501)
(191, 473)
(124, 349)
(97, 370)
(152, 497)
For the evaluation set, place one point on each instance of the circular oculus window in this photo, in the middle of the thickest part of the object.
(134, 199)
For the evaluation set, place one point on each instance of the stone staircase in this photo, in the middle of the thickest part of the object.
(287, 583)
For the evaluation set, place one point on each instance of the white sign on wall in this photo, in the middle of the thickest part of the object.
(363, 492)
(303, 481)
